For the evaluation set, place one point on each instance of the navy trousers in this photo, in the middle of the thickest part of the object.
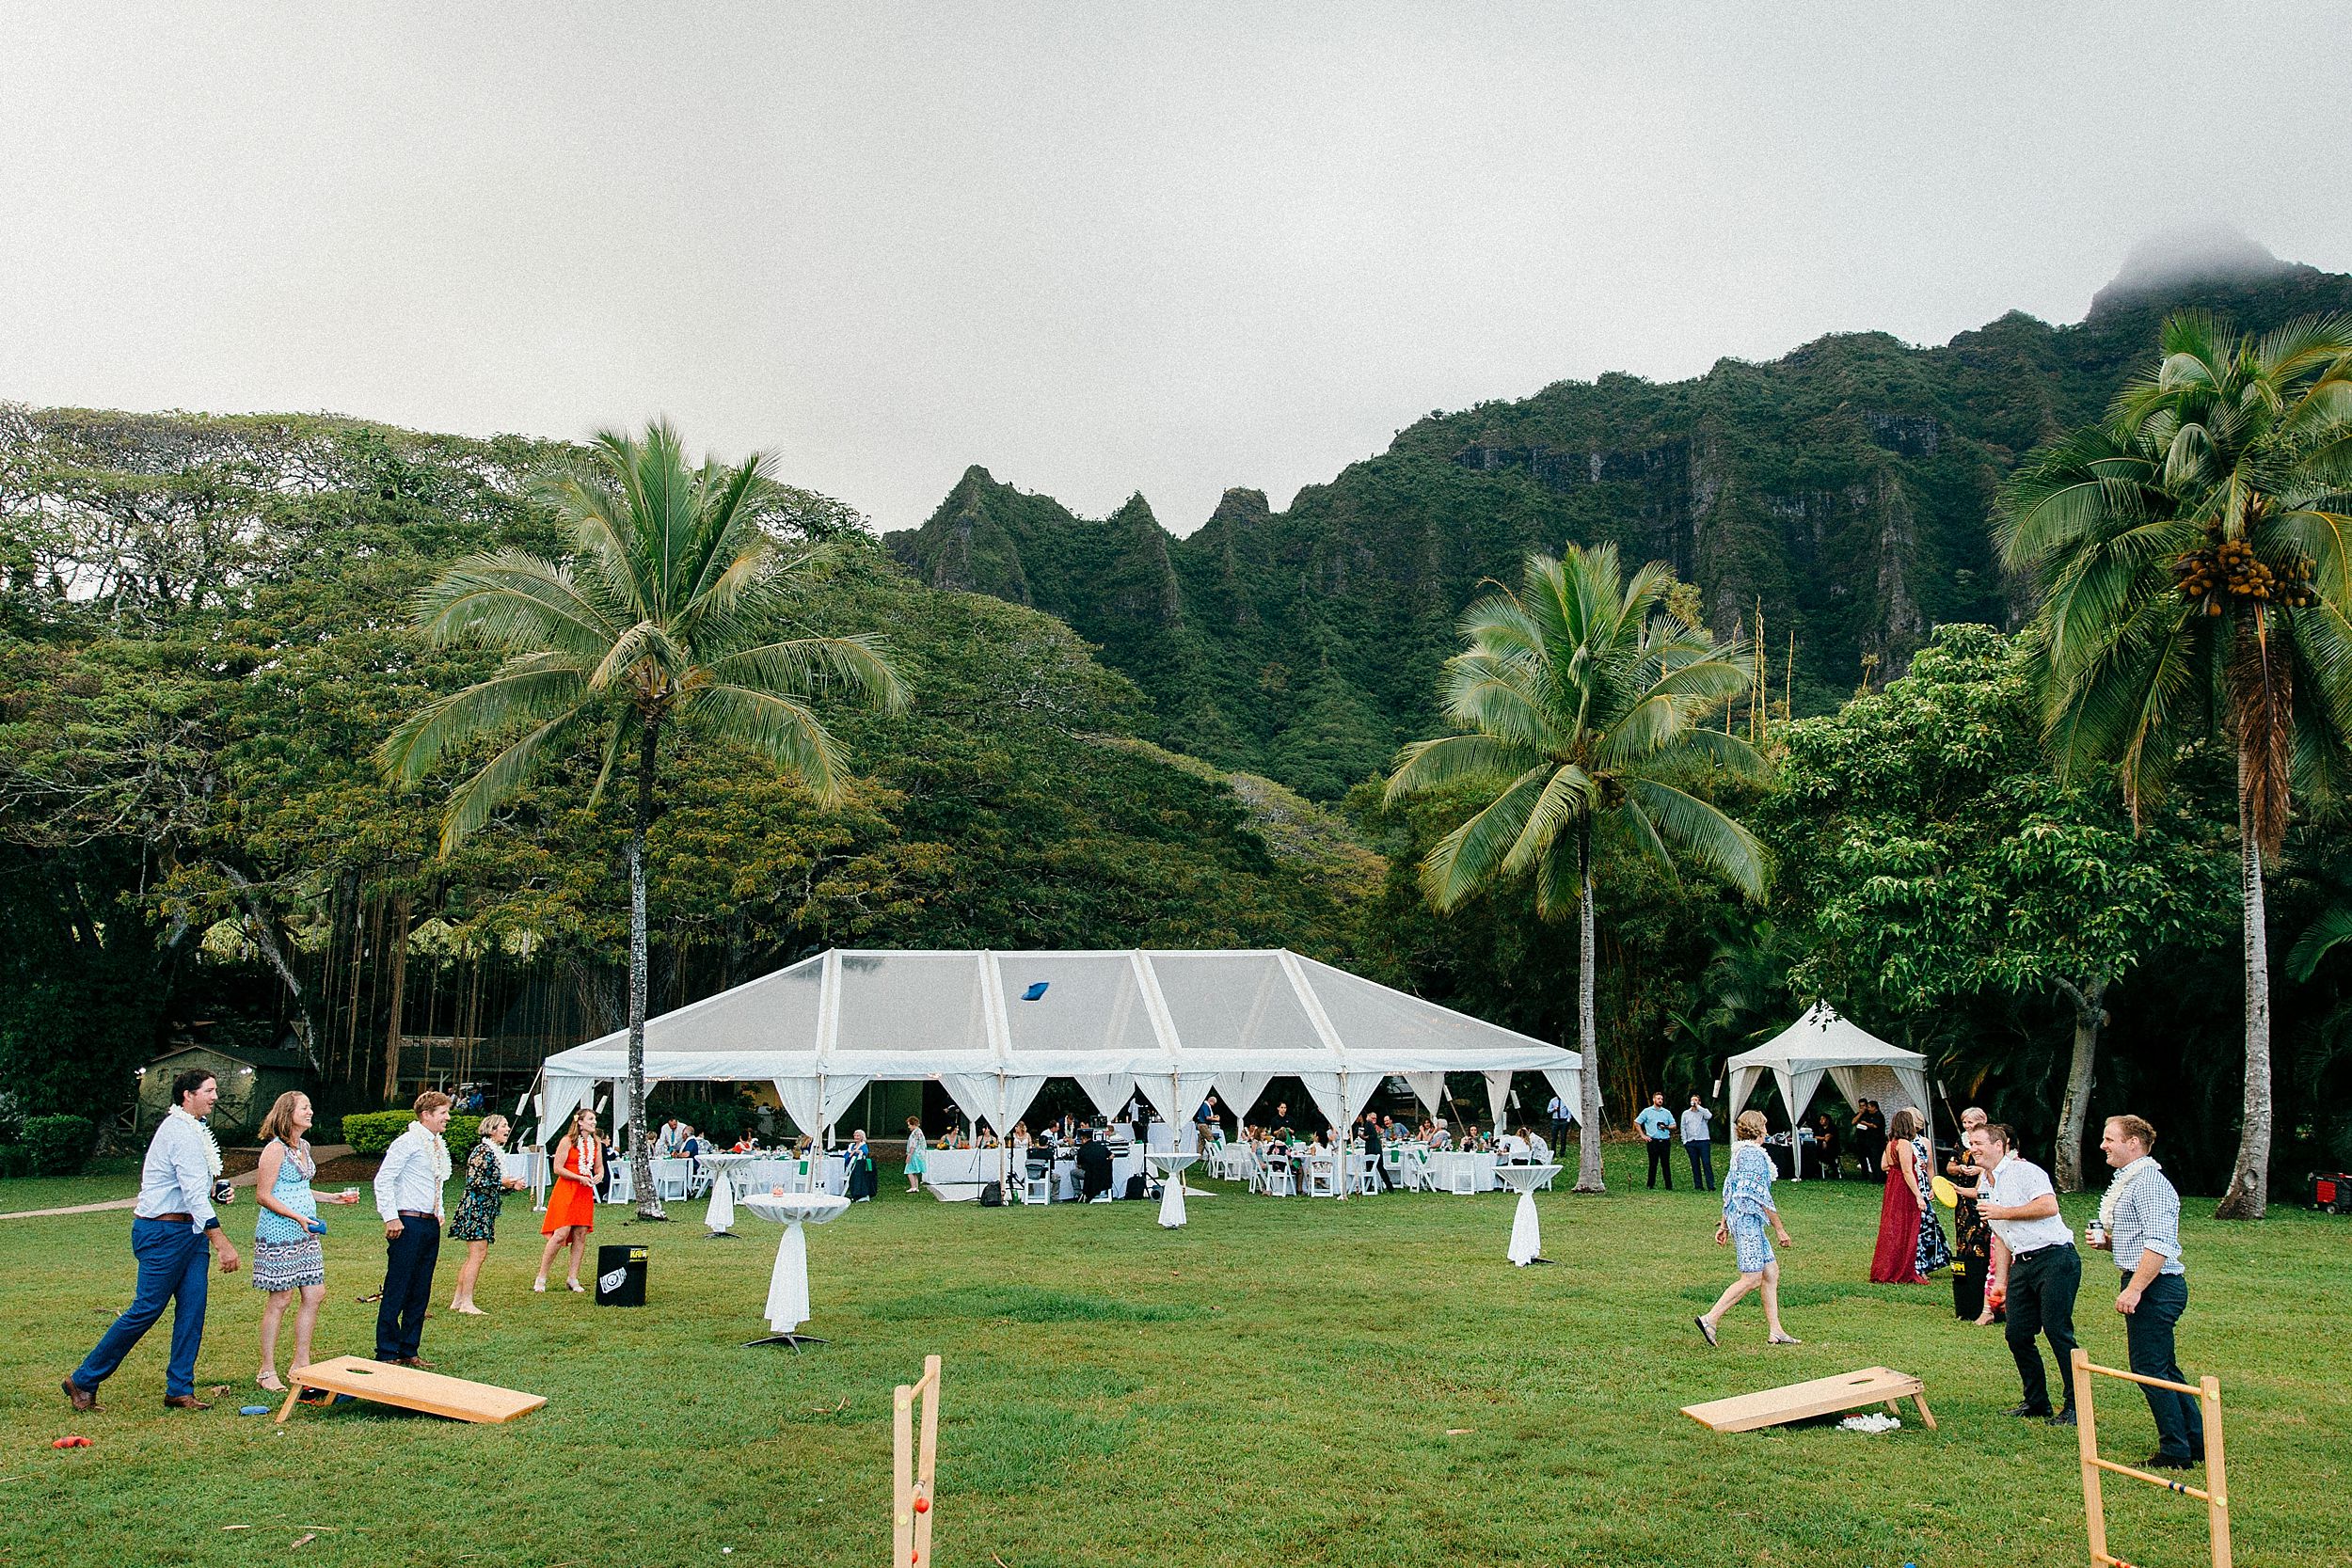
(1662, 1158)
(174, 1269)
(408, 1259)
(2179, 1428)
(1702, 1153)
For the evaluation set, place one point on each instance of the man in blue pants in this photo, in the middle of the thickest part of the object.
(2141, 1224)
(175, 1235)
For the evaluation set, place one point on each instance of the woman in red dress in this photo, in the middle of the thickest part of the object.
(1896, 1260)
(572, 1204)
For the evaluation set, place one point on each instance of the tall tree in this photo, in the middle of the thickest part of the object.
(1581, 700)
(666, 617)
(1935, 858)
(2195, 555)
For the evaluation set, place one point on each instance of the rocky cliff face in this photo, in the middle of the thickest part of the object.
(1844, 490)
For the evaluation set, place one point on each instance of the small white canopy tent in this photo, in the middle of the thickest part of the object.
(1173, 1023)
(1823, 1042)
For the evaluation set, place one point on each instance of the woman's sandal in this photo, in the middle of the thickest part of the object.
(1786, 1339)
(539, 1285)
(576, 1287)
(269, 1384)
(1704, 1329)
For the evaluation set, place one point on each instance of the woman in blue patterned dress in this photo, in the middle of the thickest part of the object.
(1747, 1210)
(287, 1256)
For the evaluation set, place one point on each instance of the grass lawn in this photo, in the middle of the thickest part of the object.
(1274, 1384)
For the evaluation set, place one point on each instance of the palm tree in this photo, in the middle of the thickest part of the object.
(1580, 700)
(2196, 570)
(665, 617)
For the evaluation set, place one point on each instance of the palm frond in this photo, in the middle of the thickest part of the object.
(531, 689)
(471, 803)
(787, 731)
(1703, 833)
(799, 665)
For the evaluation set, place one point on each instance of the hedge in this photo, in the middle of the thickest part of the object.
(372, 1131)
(50, 1146)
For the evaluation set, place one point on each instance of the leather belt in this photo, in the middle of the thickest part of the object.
(168, 1219)
(419, 1214)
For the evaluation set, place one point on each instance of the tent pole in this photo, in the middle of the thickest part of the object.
(1343, 1143)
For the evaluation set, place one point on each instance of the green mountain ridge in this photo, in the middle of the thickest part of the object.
(1843, 490)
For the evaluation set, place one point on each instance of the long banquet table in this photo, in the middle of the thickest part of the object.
(957, 1175)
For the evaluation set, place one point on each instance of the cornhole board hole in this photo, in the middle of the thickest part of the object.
(1823, 1396)
(412, 1390)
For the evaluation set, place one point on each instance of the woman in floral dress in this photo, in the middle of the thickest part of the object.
(1747, 1194)
(477, 1218)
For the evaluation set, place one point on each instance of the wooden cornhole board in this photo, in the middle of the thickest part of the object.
(1823, 1396)
(411, 1388)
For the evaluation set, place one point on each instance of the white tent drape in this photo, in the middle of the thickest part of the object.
(1174, 1095)
(817, 1101)
(1498, 1094)
(1569, 1085)
(1106, 1091)
(1240, 1092)
(998, 1099)
(1429, 1088)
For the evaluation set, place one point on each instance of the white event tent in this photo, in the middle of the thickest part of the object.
(1857, 1061)
(1174, 1025)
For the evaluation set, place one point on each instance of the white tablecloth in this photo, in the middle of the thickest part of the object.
(1445, 1163)
(787, 1287)
(1172, 1169)
(1527, 1240)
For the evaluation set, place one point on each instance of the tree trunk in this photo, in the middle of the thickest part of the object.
(399, 989)
(2250, 1181)
(1588, 1177)
(2066, 1161)
(258, 922)
(641, 1150)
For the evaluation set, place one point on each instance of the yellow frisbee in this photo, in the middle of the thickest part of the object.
(1946, 1193)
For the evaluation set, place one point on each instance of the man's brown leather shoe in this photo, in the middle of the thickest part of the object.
(84, 1398)
(416, 1361)
(186, 1401)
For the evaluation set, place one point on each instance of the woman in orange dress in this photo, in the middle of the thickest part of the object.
(572, 1204)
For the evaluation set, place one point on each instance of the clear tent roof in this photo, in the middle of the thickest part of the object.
(1129, 1014)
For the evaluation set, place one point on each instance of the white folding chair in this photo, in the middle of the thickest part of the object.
(670, 1179)
(1322, 1176)
(1280, 1180)
(1462, 1175)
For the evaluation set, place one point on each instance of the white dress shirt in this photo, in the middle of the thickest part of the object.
(411, 1175)
(176, 1178)
(2018, 1180)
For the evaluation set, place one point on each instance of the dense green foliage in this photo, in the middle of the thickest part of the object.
(372, 1131)
(2197, 583)
(1845, 489)
(197, 837)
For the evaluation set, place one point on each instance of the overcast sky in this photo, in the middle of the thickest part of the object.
(1095, 247)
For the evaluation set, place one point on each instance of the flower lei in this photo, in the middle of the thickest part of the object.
(212, 1144)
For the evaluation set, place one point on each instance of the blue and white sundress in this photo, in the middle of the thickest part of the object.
(1747, 1194)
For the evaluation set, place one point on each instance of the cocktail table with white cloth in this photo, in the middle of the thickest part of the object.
(719, 1216)
(787, 1287)
(1171, 1167)
(1527, 1240)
